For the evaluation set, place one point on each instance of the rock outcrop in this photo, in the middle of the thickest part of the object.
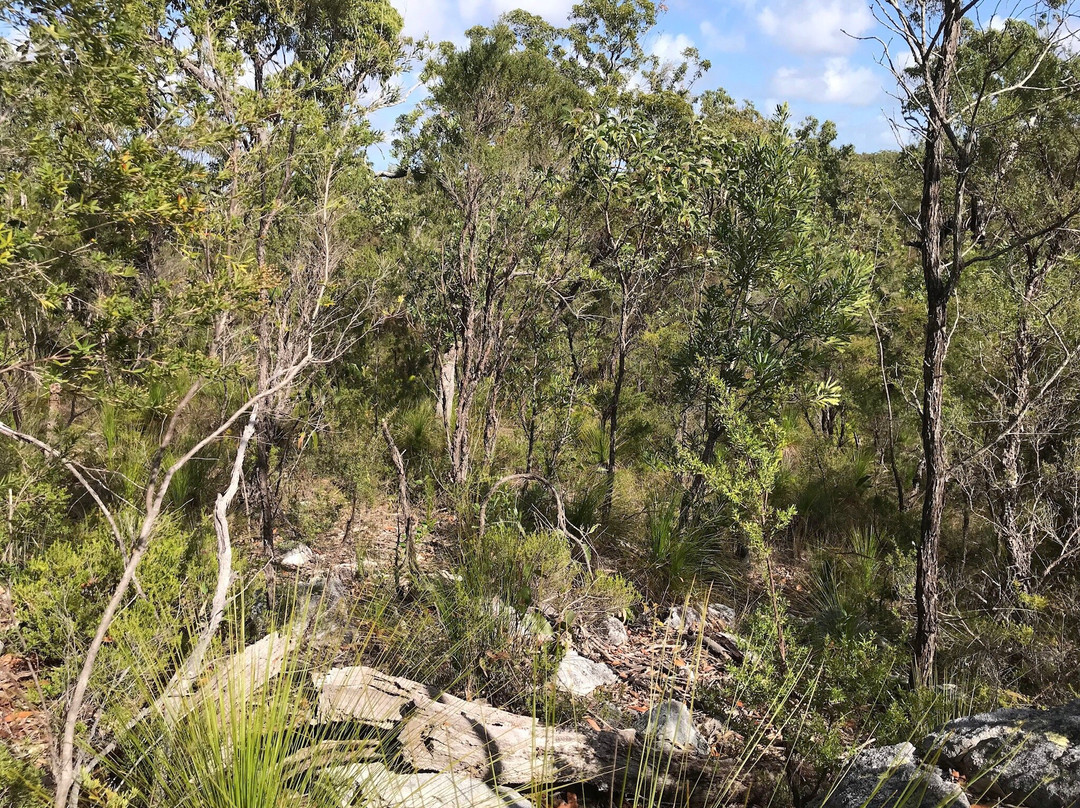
(433, 732)
(893, 775)
(1020, 756)
(1023, 757)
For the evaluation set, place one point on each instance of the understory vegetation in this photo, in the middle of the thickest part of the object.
(595, 344)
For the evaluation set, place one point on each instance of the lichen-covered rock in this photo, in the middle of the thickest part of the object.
(1023, 756)
(671, 723)
(579, 676)
(890, 776)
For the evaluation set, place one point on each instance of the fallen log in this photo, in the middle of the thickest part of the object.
(431, 731)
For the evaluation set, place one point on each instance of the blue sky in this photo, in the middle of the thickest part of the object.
(766, 51)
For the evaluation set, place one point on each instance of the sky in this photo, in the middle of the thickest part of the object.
(804, 52)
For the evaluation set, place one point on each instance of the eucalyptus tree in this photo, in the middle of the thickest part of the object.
(953, 104)
(488, 153)
(140, 215)
(638, 168)
(1025, 188)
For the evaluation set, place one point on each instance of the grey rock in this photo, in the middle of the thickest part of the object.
(1023, 756)
(611, 631)
(688, 618)
(892, 775)
(671, 724)
(299, 556)
(683, 618)
(722, 614)
(579, 676)
(374, 785)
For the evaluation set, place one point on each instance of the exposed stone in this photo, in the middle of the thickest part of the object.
(683, 618)
(1022, 756)
(611, 631)
(722, 614)
(579, 676)
(671, 724)
(299, 556)
(688, 619)
(374, 785)
(890, 776)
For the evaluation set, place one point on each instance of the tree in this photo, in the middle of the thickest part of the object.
(948, 111)
(778, 301)
(132, 209)
(1024, 178)
(638, 169)
(489, 156)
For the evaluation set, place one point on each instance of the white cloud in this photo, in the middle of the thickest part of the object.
(442, 19)
(669, 48)
(485, 11)
(816, 26)
(838, 83)
(724, 42)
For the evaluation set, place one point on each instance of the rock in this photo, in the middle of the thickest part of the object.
(531, 625)
(579, 676)
(611, 631)
(299, 556)
(374, 785)
(891, 775)
(688, 619)
(722, 614)
(1022, 756)
(683, 618)
(671, 724)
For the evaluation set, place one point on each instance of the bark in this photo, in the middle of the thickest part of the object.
(1019, 542)
(940, 276)
(618, 378)
(406, 568)
(444, 392)
(933, 439)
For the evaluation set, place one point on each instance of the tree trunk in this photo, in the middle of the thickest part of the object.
(1018, 542)
(926, 573)
(406, 568)
(940, 280)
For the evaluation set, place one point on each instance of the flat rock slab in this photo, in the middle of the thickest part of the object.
(374, 785)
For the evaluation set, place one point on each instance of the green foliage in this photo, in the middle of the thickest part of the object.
(20, 783)
(679, 554)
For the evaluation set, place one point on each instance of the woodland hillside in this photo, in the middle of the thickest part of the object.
(717, 450)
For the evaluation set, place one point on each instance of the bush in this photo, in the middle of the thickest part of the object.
(20, 783)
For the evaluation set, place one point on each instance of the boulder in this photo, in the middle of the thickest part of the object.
(610, 631)
(1021, 756)
(579, 676)
(376, 786)
(892, 775)
(671, 724)
(300, 556)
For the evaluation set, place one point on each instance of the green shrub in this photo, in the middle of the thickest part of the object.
(20, 783)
